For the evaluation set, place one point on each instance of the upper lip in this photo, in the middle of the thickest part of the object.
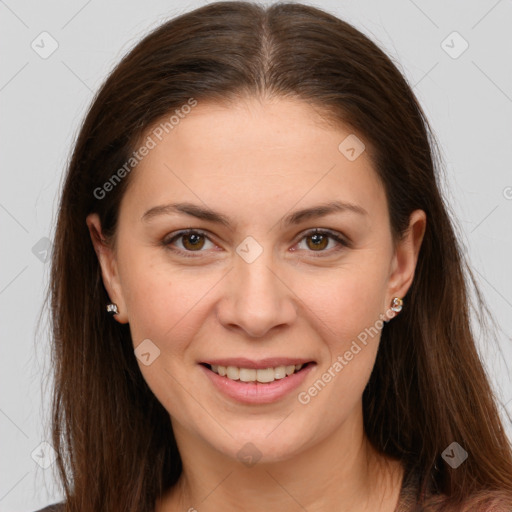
(260, 364)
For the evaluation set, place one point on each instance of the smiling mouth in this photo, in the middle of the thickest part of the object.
(252, 375)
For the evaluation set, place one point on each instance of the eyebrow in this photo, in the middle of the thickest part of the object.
(207, 214)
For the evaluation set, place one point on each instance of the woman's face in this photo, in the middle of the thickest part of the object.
(253, 287)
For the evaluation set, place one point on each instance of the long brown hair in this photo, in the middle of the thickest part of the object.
(116, 449)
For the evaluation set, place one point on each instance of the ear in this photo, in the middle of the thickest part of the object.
(108, 263)
(405, 258)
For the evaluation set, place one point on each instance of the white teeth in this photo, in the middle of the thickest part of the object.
(290, 369)
(252, 375)
(247, 375)
(280, 372)
(232, 372)
(265, 375)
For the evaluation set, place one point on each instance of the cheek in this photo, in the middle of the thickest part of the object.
(348, 322)
(163, 306)
(346, 310)
(346, 300)
(164, 303)
(151, 303)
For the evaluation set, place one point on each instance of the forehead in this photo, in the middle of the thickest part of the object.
(254, 155)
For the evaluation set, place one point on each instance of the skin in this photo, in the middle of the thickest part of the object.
(255, 162)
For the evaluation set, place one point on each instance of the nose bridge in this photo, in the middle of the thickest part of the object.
(254, 275)
(259, 300)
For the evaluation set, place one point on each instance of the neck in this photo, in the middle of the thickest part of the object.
(341, 472)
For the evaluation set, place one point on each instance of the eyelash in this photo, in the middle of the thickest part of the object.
(187, 254)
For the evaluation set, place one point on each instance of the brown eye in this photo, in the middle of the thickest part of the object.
(318, 241)
(193, 241)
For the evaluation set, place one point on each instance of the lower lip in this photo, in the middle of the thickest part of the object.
(256, 392)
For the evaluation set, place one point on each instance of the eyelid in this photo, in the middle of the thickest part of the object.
(338, 237)
(169, 239)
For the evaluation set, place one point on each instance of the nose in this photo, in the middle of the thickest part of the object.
(257, 297)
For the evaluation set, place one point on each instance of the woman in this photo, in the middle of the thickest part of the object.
(259, 302)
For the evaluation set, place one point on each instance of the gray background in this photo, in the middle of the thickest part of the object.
(468, 100)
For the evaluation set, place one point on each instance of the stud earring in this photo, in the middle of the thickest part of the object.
(112, 309)
(397, 304)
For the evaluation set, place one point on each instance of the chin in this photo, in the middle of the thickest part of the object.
(263, 446)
